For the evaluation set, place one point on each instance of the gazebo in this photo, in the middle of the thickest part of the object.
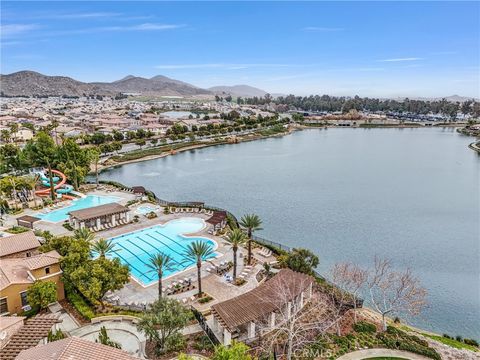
(27, 221)
(218, 220)
(285, 293)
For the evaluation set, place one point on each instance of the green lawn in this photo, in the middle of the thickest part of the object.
(451, 342)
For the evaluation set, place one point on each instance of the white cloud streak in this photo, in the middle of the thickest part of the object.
(401, 59)
(16, 29)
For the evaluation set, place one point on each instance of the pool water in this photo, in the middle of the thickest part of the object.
(82, 203)
(135, 249)
(145, 209)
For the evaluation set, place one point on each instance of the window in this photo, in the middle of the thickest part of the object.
(29, 254)
(3, 306)
(47, 270)
(23, 296)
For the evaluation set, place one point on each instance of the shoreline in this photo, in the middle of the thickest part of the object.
(290, 130)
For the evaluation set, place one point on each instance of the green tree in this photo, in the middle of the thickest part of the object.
(74, 161)
(159, 263)
(162, 324)
(197, 252)
(42, 293)
(13, 130)
(5, 136)
(301, 260)
(104, 247)
(236, 238)
(236, 351)
(42, 152)
(11, 158)
(251, 223)
(94, 155)
(104, 339)
(54, 336)
(96, 277)
(83, 234)
(140, 142)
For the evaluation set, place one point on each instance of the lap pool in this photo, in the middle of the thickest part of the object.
(134, 249)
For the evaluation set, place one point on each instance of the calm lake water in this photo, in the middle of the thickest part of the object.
(408, 194)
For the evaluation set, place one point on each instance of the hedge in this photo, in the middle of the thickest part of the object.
(366, 327)
(81, 305)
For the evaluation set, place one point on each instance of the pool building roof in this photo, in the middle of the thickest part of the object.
(98, 211)
(262, 300)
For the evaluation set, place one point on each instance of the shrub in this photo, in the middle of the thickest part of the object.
(458, 338)
(67, 226)
(54, 336)
(205, 299)
(17, 229)
(81, 305)
(364, 327)
(471, 342)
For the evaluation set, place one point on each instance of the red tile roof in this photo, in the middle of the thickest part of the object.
(74, 348)
(17, 243)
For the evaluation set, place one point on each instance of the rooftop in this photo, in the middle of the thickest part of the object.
(262, 300)
(74, 348)
(29, 335)
(17, 243)
(16, 270)
(98, 211)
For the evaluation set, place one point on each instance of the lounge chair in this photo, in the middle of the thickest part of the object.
(184, 300)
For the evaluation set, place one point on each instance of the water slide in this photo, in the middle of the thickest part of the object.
(59, 187)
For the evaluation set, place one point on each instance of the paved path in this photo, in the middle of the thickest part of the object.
(370, 353)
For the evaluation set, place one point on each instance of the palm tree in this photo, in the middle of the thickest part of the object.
(236, 238)
(104, 247)
(158, 263)
(251, 223)
(199, 251)
(83, 234)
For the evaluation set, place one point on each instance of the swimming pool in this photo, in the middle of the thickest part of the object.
(78, 204)
(134, 249)
(145, 209)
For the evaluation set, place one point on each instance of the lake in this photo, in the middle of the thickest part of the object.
(408, 194)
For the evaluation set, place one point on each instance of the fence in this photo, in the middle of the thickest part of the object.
(203, 324)
(268, 243)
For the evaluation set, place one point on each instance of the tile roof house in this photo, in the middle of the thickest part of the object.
(18, 274)
(28, 335)
(74, 348)
(19, 245)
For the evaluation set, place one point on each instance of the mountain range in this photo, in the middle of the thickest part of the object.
(31, 83)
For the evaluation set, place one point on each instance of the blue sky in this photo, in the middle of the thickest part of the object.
(381, 49)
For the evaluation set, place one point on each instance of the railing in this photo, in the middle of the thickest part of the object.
(257, 239)
(203, 324)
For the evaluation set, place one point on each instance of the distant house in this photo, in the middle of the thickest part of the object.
(74, 348)
(18, 274)
(21, 245)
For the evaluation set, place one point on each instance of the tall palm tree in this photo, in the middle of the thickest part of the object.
(83, 234)
(199, 251)
(236, 238)
(251, 223)
(158, 263)
(104, 247)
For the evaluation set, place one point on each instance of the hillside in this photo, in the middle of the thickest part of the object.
(238, 90)
(30, 83)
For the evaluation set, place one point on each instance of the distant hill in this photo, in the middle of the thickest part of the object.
(238, 90)
(157, 85)
(30, 83)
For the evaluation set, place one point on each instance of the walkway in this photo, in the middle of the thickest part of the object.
(122, 332)
(372, 353)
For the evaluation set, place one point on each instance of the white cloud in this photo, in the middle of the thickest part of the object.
(16, 29)
(401, 59)
(322, 29)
